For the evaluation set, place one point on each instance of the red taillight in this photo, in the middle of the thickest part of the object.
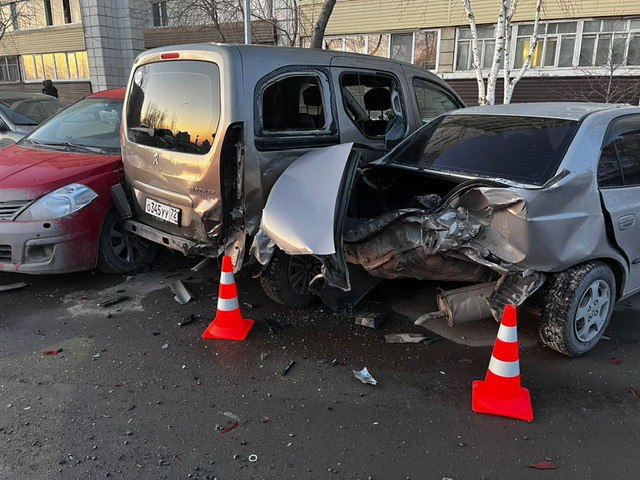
(166, 56)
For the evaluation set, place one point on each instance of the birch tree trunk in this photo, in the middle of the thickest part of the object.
(533, 43)
(321, 23)
(477, 65)
(498, 51)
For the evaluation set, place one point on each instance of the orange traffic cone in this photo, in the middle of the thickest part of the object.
(500, 393)
(228, 324)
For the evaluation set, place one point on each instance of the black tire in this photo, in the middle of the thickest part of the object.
(121, 251)
(286, 276)
(562, 326)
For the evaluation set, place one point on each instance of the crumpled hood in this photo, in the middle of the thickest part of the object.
(28, 173)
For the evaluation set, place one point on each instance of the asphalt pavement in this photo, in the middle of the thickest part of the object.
(130, 393)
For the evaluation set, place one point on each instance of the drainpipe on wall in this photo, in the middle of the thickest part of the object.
(247, 22)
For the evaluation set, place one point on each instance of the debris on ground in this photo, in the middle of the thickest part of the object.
(232, 416)
(253, 458)
(52, 352)
(371, 320)
(634, 392)
(228, 429)
(188, 320)
(408, 338)
(12, 286)
(263, 356)
(182, 295)
(115, 301)
(275, 326)
(203, 264)
(165, 346)
(288, 367)
(544, 465)
(616, 361)
(364, 376)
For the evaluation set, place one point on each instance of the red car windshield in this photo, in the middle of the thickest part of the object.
(90, 123)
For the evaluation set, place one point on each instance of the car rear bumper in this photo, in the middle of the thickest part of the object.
(64, 245)
(158, 236)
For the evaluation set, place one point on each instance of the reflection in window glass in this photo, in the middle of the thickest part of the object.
(586, 50)
(49, 66)
(609, 173)
(83, 65)
(334, 44)
(73, 67)
(401, 47)
(634, 50)
(162, 113)
(62, 70)
(566, 52)
(39, 68)
(379, 45)
(628, 147)
(432, 101)
(426, 50)
(354, 44)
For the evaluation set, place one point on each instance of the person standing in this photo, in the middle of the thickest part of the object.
(49, 89)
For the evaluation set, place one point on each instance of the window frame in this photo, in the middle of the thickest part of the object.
(67, 12)
(376, 73)
(290, 139)
(38, 79)
(4, 62)
(389, 35)
(49, 19)
(614, 130)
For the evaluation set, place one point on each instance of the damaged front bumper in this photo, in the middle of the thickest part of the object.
(64, 245)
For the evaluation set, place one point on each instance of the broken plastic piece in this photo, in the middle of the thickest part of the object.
(371, 320)
(228, 429)
(52, 352)
(182, 295)
(364, 376)
(203, 264)
(288, 367)
(188, 320)
(545, 465)
(13, 286)
(406, 338)
(115, 301)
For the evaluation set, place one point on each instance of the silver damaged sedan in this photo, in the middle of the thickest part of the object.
(533, 204)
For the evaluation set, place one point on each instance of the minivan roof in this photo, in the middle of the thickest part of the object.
(290, 56)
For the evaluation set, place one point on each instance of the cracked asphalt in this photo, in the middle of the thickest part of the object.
(131, 394)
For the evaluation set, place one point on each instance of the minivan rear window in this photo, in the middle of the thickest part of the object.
(521, 149)
(174, 106)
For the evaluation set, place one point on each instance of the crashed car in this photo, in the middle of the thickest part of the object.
(56, 212)
(520, 201)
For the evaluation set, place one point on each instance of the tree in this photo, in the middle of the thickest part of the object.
(487, 93)
(14, 15)
(321, 23)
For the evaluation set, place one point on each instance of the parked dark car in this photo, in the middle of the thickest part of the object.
(507, 198)
(22, 112)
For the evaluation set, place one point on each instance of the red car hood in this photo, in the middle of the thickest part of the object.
(28, 173)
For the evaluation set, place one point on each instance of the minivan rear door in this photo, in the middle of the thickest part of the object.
(171, 149)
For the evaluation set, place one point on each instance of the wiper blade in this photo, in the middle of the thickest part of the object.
(88, 148)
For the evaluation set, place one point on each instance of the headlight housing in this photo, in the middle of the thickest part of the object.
(59, 203)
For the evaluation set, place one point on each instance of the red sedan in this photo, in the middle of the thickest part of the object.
(56, 213)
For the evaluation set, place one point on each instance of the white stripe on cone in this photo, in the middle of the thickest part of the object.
(228, 304)
(226, 278)
(508, 334)
(504, 369)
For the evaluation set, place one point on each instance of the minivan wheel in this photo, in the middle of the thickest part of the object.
(286, 279)
(578, 308)
(121, 251)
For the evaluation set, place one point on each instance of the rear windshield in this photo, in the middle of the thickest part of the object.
(174, 106)
(522, 149)
(31, 111)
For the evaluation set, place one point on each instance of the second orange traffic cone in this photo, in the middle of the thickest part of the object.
(228, 324)
(501, 393)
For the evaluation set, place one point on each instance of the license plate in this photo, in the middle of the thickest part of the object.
(163, 212)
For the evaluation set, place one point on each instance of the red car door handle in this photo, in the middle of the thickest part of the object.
(626, 221)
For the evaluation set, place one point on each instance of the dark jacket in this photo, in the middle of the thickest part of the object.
(49, 89)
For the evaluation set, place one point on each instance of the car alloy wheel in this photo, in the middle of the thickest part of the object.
(127, 246)
(302, 269)
(592, 311)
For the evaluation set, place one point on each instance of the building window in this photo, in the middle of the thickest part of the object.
(425, 54)
(9, 70)
(66, 10)
(556, 45)
(15, 23)
(56, 66)
(610, 43)
(159, 12)
(48, 12)
(486, 47)
(420, 48)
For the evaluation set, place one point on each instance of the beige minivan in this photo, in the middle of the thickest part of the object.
(208, 129)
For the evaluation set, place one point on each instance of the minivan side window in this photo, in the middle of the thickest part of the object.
(372, 102)
(432, 101)
(174, 106)
(293, 103)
